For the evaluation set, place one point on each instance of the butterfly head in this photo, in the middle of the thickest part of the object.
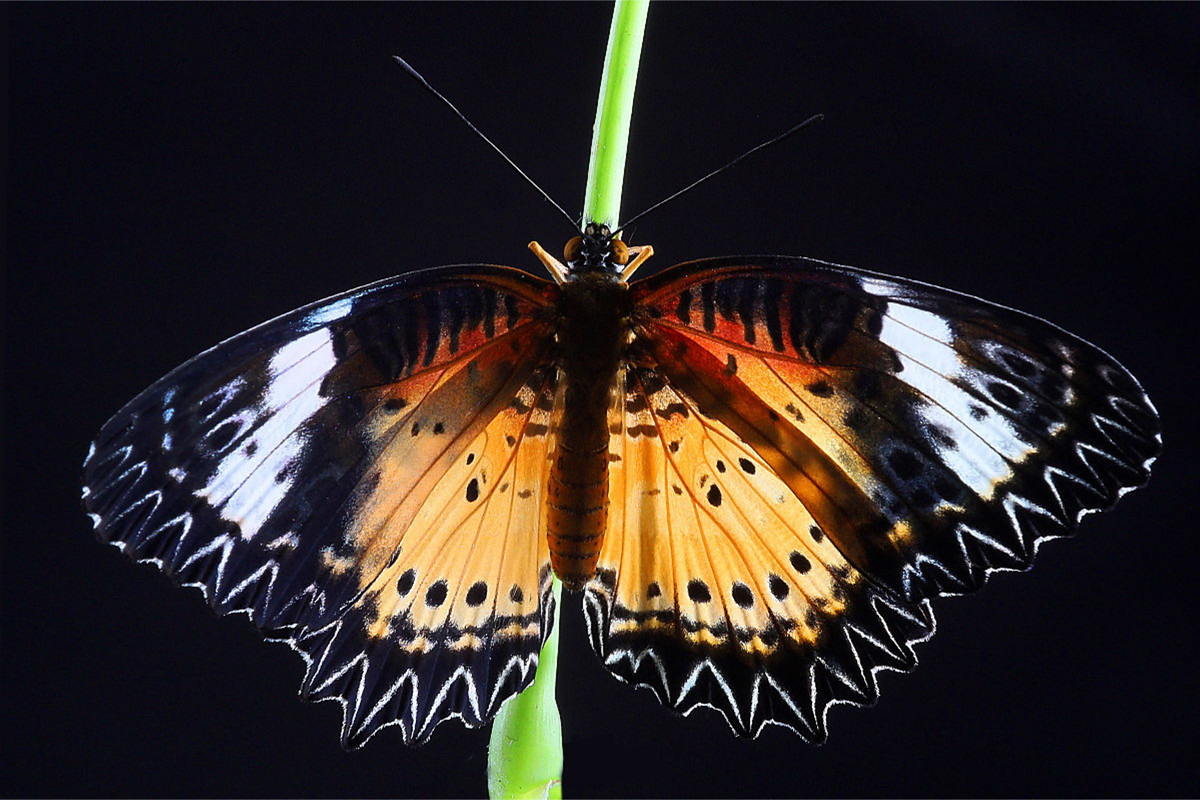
(597, 249)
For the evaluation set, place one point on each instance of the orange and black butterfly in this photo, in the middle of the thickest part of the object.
(759, 471)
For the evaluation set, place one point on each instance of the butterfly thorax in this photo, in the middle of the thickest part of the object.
(593, 328)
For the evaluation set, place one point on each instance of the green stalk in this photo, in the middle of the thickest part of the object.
(610, 136)
(525, 754)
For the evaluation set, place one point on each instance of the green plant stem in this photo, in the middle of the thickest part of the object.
(525, 755)
(614, 110)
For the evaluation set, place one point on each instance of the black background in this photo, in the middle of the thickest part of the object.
(180, 173)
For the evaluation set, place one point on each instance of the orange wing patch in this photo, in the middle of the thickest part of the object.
(716, 586)
(454, 578)
(477, 550)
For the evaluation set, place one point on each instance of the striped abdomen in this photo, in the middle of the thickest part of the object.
(592, 332)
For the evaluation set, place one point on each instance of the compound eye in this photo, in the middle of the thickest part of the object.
(571, 251)
(620, 252)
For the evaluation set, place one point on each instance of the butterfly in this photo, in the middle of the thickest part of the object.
(759, 471)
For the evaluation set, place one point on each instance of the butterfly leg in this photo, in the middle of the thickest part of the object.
(556, 267)
(639, 255)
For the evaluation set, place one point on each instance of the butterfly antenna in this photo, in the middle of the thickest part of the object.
(421, 80)
(795, 129)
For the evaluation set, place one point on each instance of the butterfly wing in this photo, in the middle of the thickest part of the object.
(924, 438)
(715, 586)
(363, 478)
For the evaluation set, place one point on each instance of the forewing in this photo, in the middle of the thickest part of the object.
(291, 471)
(935, 436)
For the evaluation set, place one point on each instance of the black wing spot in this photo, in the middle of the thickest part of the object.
(221, 438)
(683, 311)
(868, 384)
(698, 591)
(525, 494)
(747, 466)
(675, 446)
(1018, 364)
(904, 464)
(516, 595)
(714, 495)
(856, 420)
(742, 595)
(799, 562)
(394, 404)
(512, 311)
(416, 428)
(607, 578)
(436, 595)
(470, 458)
(720, 465)
(816, 533)
(510, 440)
(1054, 387)
(978, 412)
(1004, 394)
(730, 366)
(875, 323)
(795, 412)
(706, 303)
(676, 489)
(405, 583)
(477, 594)
(922, 497)
(211, 406)
(820, 389)
(251, 448)
(653, 590)
(473, 490)
(942, 437)
(778, 587)
(439, 428)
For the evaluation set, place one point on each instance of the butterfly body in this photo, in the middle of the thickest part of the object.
(593, 310)
(759, 470)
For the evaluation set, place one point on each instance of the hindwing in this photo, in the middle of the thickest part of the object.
(717, 587)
